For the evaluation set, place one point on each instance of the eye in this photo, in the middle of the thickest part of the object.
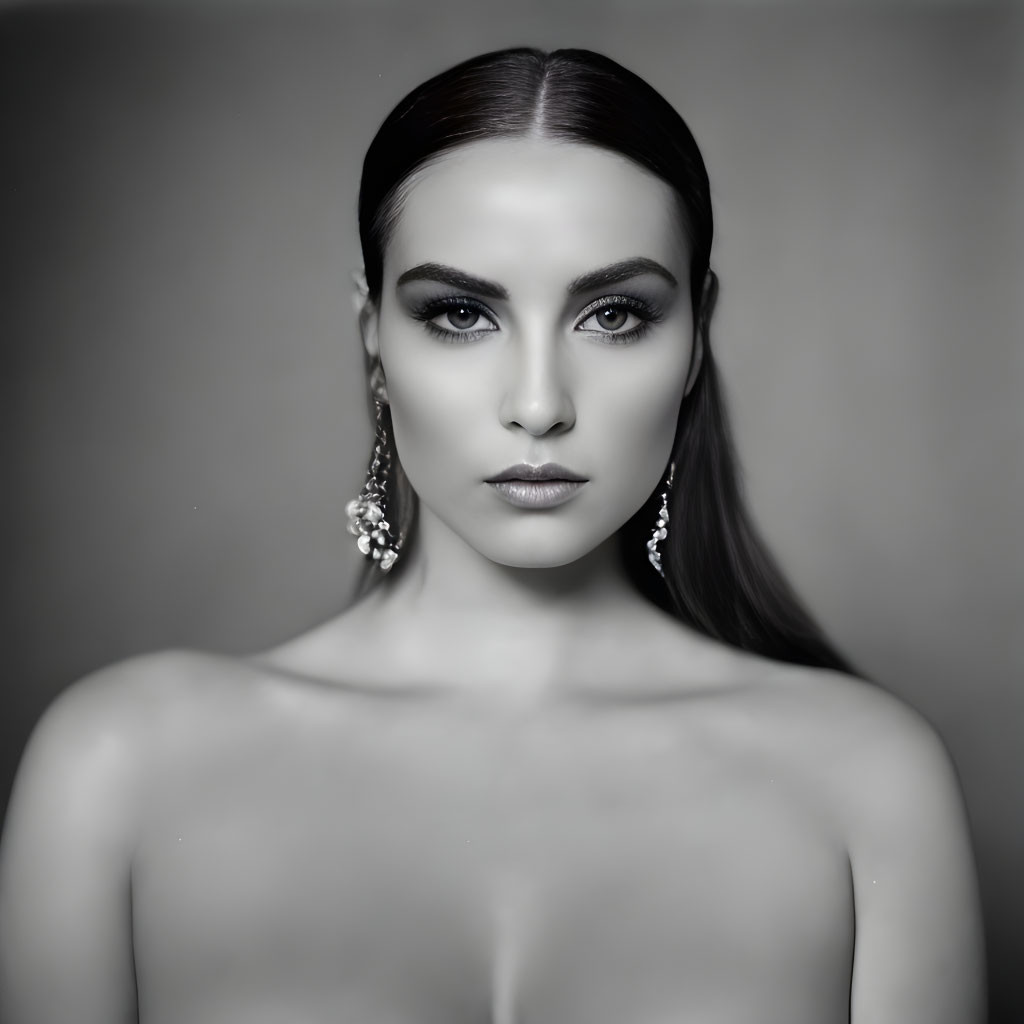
(459, 317)
(620, 317)
(454, 317)
(611, 318)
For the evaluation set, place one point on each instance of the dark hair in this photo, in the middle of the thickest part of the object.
(719, 577)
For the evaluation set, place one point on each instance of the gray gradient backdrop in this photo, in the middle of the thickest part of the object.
(182, 398)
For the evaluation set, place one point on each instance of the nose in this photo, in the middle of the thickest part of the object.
(537, 397)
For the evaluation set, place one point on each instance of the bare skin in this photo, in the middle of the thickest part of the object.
(503, 788)
(297, 837)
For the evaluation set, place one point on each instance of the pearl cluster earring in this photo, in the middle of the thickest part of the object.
(367, 514)
(660, 531)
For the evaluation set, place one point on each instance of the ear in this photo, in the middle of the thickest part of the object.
(708, 298)
(366, 311)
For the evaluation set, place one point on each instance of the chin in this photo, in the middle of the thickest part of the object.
(549, 553)
(537, 562)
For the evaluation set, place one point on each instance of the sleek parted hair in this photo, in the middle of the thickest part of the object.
(719, 577)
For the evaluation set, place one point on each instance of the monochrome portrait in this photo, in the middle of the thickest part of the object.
(514, 512)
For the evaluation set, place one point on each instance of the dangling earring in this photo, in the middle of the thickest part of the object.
(660, 531)
(366, 514)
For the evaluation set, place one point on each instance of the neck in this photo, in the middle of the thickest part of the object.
(443, 575)
(518, 631)
(449, 618)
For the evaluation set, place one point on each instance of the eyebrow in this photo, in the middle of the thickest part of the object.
(456, 278)
(600, 278)
(621, 271)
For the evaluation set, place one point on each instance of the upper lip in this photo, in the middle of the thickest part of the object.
(548, 471)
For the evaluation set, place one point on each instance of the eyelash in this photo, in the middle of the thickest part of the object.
(647, 314)
(435, 307)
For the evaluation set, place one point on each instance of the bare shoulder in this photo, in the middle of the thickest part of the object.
(118, 707)
(881, 775)
(869, 748)
(87, 753)
(72, 828)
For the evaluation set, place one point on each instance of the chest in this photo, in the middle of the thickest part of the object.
(582, 874)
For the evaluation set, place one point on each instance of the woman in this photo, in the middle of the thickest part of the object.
(577, 754)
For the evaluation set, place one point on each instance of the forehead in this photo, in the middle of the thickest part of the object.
(530, 205)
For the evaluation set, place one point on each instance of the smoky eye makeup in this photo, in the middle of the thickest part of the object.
(461, 318)
(611, 315)
(611, 319)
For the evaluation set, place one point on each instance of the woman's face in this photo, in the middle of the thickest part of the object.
(535, 313)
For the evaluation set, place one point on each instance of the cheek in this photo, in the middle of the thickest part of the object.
(435, 406)
(638, 408)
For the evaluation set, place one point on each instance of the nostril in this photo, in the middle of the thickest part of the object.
(539, 420)
(537, 398)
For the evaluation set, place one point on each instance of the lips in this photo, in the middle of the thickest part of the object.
(537, 487)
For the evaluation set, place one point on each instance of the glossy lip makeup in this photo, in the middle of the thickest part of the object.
(537, 487)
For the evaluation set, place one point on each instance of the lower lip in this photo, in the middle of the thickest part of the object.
(537, 493)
